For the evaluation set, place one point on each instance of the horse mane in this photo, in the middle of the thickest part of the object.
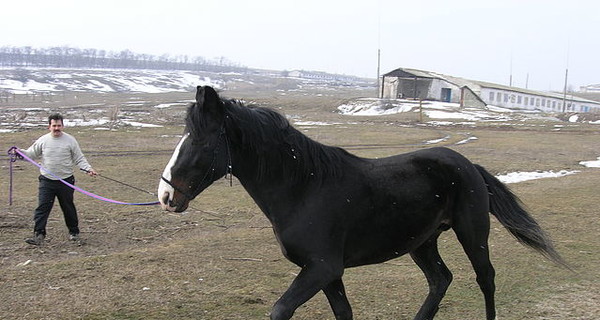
(281, 148)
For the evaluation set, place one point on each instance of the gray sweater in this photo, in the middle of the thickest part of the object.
(59, 155)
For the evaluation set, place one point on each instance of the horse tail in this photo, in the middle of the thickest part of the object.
(509, 210)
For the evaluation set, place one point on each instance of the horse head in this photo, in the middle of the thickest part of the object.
(202, 155)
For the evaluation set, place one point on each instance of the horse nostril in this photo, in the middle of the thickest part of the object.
(165, 198)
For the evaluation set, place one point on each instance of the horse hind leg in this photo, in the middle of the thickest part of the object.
(336, 295)
(473, 235)
(438, 276)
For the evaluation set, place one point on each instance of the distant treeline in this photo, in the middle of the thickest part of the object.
(68, 57)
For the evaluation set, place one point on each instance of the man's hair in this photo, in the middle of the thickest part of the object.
(55, 116)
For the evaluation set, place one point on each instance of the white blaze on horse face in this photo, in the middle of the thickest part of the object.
(165, 191)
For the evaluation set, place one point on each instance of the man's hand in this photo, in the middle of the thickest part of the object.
(91, 172)
(12, 152)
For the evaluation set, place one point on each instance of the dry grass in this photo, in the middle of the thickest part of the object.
(220, 260)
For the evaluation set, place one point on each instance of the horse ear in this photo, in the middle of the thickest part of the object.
(209, 100)
(200, 95)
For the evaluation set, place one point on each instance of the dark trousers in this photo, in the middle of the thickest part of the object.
(48, 191)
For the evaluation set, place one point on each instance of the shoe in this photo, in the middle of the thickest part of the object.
(37, 239)
(74, 237)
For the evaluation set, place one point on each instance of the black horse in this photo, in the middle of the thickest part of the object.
(331, 210)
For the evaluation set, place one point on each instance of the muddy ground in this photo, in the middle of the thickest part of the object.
(219, 259)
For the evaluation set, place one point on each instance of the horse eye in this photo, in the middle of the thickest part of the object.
(201, 144)
(197, 142)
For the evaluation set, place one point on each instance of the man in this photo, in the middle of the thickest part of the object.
(60, 152)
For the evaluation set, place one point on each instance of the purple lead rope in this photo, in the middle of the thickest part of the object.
(12, 158)
(87, 193)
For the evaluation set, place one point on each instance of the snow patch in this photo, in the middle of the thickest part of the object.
(591, 164)
(142, 125)
(314, 123)
(434, 110)
(166, 105)
(434, 141)
(515, 177)
(467, 140)
(375, 107)
(100, 122)
(147, 81)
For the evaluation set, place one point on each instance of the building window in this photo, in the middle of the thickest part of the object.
(543, 102)
(553, 104)
(519, 98)
(532, 101)
(491, 96)
(526, 100)
(506, 97)
(498, 96)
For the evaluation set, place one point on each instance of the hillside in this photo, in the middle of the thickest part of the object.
(51, 81)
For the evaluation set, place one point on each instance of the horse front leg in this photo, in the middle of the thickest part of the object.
(312, 279)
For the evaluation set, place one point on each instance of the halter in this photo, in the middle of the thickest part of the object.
(211, 168)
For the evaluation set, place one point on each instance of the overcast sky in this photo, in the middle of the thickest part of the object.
(475, 39)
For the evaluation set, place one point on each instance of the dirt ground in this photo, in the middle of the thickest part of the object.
(219, 259)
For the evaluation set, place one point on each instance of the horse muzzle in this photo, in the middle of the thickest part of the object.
(173, 205)
(168, 200)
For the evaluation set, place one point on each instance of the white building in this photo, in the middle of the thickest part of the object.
(590, 88)
(319, 75)
(426, 85)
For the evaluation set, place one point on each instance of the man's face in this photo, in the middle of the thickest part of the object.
(55, 128)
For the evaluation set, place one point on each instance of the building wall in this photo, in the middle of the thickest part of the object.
(414, 88)
(435, 91)
(419, 88)
(512, 99)
(471, 99)
(389, 88)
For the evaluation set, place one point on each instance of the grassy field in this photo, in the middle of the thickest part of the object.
(219, 260)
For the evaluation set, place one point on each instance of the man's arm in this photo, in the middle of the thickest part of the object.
(81, 161)
(34, 151)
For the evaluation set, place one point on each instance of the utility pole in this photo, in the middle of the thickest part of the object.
(379, 83)
(511, 62)
(566, 77)
(565, 91)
